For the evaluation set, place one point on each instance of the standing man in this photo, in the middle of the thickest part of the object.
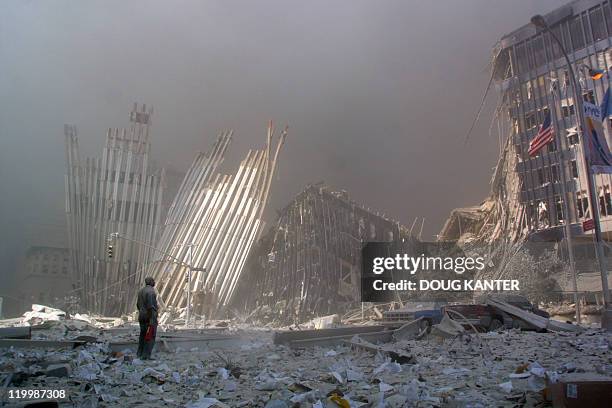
(147, 318)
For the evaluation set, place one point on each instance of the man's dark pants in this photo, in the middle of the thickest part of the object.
(145, 347)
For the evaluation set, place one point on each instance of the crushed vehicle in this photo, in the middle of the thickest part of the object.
(430, 311)
(490, 318)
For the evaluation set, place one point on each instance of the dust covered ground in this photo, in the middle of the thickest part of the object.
(506, 369)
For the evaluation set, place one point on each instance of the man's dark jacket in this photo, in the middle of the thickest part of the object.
(147, 305)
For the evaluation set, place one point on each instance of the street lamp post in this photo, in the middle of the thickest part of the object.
(189, 266)
(190, 269)
(540, 22)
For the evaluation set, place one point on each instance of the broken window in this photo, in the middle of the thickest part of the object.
(527, 89)
(607, 16)
(521, 58)
(582, 204)
(503, 68)
(598, 26)
(543, 214)
(541, 176)
(602, 203)
(576, 33)
(541, 83)
(579, 207)
(515, 126)
(574, 168)
(567, 107)
(589, 96)
(556, 51)
(539, 51)
(587, 33)
(559, 209)
(605, 201)
(530, 120)
(554, 171)
(566, 79)
(572, 138)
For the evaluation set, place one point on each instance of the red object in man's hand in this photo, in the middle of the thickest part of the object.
(150, 334)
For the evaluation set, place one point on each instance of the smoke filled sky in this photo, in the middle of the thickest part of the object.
(378, 94)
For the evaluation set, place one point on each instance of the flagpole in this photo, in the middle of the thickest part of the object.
(606, 318)
(567, 219)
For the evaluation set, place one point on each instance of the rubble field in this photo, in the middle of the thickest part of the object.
(496, 369)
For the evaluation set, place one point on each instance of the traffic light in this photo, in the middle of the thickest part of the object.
(110, 251)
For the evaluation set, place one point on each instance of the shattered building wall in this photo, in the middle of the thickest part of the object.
(117, 192)
(211, 226)
(532, 77)
(535, 196)
(309, 263)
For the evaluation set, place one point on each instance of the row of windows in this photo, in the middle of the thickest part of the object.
(574, 34)
(52, 258)
(541, 217)
(47, 269)
(605, 203)
(549, 174)
(535, 117)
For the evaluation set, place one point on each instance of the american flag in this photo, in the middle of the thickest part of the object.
(545, 135)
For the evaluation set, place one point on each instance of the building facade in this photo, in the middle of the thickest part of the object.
(532, 76)
(46, 278)
(118, 192)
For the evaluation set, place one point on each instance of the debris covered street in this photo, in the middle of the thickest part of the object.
(234, 365)
(306, 205)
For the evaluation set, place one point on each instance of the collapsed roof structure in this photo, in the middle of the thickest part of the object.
(118, 192)
(309, 263)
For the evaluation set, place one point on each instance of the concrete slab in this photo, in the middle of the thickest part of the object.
(374, 337)
(284, 337)
(172, 344)
(30, 344)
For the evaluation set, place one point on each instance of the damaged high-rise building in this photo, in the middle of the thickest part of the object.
(116, 193)
(308, 264)
(534, 195)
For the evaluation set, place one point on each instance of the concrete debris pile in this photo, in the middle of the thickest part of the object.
(44, 317)
(308, 265)
(212, 224)
(339, 367)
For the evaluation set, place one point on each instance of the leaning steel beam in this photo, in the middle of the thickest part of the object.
(216, 221)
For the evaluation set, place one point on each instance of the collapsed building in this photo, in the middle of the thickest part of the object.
(119, 230)
(118, 192)
(211, 226)
(308, 264)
